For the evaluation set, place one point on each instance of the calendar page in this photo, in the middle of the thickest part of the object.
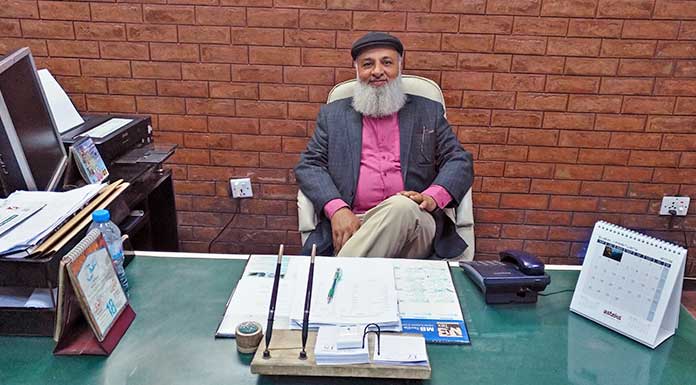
(628, 281)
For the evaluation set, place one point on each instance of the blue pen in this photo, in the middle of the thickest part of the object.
(332, 291)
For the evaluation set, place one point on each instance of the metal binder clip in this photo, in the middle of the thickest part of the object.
(366, 332)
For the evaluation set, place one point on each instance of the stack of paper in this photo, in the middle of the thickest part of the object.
(326, 351)
(401, 350)
(20, 240)
(362, 296)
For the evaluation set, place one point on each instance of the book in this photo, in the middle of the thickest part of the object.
(88, 160)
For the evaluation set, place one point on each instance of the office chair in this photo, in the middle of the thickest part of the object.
(462, 216)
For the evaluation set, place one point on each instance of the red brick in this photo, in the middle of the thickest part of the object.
(554, 186)
(649, 190)
(220, 16)
(58, 66)
(453, 98)
(554, 218)
(47, 29)
(685, 68)
(181, 123)
(352, 4)
(487, 230)
(614, 205)
(309, 75)
(628, 48)
(572, 8)
(673, 175)
(72, 48)
(132, 87)
(256, 143)
(304, 38)
(151, 70)
(518, 7)
(592, 139)
(589, 219)
(685, 87)
(591, 66)
(458, 6)
(431, 60)
(482, 135)
(250, 3)
(233, 125)
(528, 170)
(116, 68)
(64, 10)
(123, 50)
(414, 5)
(635, 140)
(485, 24)
(499, 216)
(648, 105)
(83, 85)
(573, 46)
(19, 8)
(324, 57)
(203, 71)
(627, 174)
(568, 203)
(552, 154)
(484, 62)
(675, 9)
(278, 160)
(533, 137)
(234, 158)
(537, 101)
(282, 18)
(524, 201)
(168, 14)
(467, 43)
(10, 28)
(518, 82)
(99, 31)
(110, 103)
(569, 234)
(493, 246)
(467, 80)
(129, 13)
(687, 30)
(263, 109)
(332, 20)
(37, 46)
(152, 32)
(594, 103)
(626, 86)
(174, 52)
(478, 99)
(649, 29)
(425, 22)
(568, 121)
(233, 90)
(283, 92)
(524, 232)
(676, 49)
(603, 157)
(685, 106)
(496, 152)
(207, 34)
(160, 105)
(572, 84)
(300, 3)
(468, 117)
(520, 45)
(182, 88)
(538, 64)
(679, 142)
(546, 26)
(520, 185)
(619, 122)
(223, 54)
(639, 67)
(516, 118)
(283, 127)
(383, 21)
(210, 107)
(671, 124)
(654, 158)
(486, 200)
(595, 28)
(687, 160)
(625, 8)
(257, 73)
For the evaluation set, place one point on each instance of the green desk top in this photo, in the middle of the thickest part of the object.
(179, 303)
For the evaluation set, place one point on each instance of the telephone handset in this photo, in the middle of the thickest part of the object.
(527, 263)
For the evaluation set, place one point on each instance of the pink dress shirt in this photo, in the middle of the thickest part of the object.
(380, 168)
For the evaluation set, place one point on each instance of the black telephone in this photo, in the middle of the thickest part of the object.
(516, 278)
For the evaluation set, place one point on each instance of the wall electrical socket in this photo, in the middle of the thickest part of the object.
(241, 188)
(680, 205)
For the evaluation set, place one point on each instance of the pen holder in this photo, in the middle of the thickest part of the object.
(248, 335)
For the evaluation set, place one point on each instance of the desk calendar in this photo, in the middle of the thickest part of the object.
(631, 283)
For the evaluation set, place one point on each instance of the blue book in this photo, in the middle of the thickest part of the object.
(438, 331)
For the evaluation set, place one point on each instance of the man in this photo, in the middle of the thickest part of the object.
(382, 165)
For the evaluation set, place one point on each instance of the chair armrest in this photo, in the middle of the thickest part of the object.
(306, 217)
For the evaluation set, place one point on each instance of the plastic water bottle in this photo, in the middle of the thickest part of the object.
(112, 236)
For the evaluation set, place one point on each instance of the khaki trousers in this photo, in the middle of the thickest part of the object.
(395, 228)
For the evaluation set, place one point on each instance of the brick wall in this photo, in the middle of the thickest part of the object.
(575, 110)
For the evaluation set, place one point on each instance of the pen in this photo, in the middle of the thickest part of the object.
(271, 307)
(336, 278)
(308, 301)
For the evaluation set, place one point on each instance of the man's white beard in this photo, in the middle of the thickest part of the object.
(378, 101)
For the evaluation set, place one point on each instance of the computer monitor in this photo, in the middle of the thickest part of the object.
(32, 155)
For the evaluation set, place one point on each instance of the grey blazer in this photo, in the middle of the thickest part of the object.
(430, 153)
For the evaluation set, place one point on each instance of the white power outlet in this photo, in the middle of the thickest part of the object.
(680, 205)
(241, 188)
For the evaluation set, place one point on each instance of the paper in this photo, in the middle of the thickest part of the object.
(62, 109)
(11, 214)
(105, 129)
(326, 351)
(41, 298)
(27, 297)
(401, 350)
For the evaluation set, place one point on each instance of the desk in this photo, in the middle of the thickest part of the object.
(179, 302)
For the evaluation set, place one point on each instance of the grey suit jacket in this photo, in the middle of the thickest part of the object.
(430, 154)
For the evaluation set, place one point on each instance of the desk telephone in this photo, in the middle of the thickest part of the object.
(516, 278)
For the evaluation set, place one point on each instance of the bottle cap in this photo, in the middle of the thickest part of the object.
(101, 216)
(248, 335)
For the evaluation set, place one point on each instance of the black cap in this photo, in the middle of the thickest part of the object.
(374, 39)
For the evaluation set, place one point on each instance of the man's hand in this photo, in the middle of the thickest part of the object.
(343, 225)
(425, 202)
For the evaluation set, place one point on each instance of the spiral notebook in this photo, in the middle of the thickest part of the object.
(631, 283)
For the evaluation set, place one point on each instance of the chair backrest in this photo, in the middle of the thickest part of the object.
(414, 85)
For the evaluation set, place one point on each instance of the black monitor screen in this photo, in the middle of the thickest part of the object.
(31, 118)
